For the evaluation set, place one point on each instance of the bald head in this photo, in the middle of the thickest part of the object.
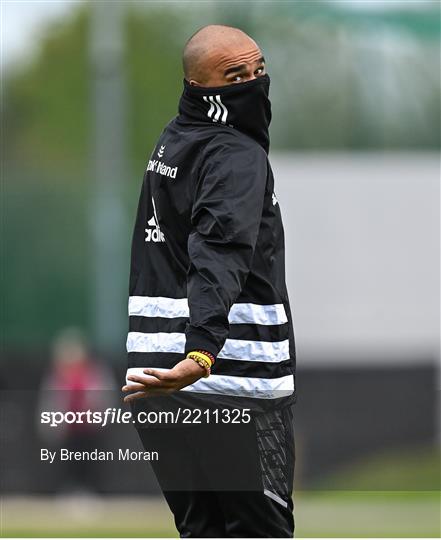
(218, 55)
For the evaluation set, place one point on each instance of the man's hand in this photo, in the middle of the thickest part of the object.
(157, 383)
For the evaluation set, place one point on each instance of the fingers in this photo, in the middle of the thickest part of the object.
(145, 386)
(156, 382)
(149, 382)
(135, 396)
(161, 375)
(147, 394)
(132, 387)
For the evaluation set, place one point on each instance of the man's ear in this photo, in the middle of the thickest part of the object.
(194, 83)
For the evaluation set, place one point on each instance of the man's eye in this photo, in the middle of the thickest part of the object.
(259, 71)
(237, 78)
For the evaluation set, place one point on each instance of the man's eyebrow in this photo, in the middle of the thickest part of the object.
(241, 67)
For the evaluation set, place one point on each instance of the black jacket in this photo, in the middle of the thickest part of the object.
(207, 262)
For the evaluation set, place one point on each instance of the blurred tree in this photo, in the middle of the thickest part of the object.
(45, 162)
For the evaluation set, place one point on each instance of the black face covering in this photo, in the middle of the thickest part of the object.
(243, 106)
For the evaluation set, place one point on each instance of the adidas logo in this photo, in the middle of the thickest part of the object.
(217, 110)
(154, 233)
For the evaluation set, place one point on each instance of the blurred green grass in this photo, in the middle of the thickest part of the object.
(415, 468)
(318, 514)
(356, 501)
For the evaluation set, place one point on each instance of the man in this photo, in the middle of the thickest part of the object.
(210, 322)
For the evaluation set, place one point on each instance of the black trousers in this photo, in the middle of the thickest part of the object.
(228, 481)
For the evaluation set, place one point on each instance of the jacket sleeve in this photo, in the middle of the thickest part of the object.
(225, 219)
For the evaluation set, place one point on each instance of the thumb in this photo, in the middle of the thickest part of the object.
(155, 373)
